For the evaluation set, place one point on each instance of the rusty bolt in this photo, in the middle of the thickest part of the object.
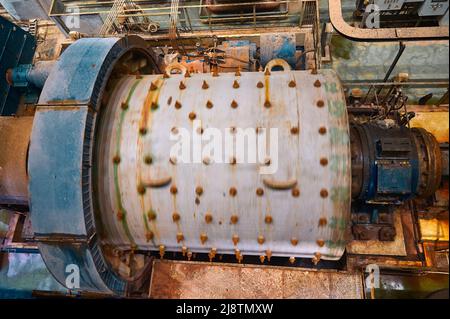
(233, 160)
(205, 85)
(322, 221)
(234, 219)
(208, 218)
(292, 260)
(209, 104)
(262, 258)
(142, 130)
(235, 239)
(197, 201)
(203, 238)
(235, 84)
(320, 242)
(200, 130)
(268, 219)
(233, 191)
(259, 191)
(268, 254)
(149, 236)
(178, 105)
(261, 239)
(141, 189)
(292, 84)
(173, 190)
(234, 104)
(317, 84)
(187, 74)
(175, 216)
(162, 250)
(192, 116)
(259, 85)
(295, 192)
(151, 215)
(182, 85)
(267, 104)
(120, 215)
(294, 241)
(124, 106)
(294, 130)
(148, 159)
(180, 237)
(116, 159)
(174, 130)
(267, 161)
(322, 130)
(169, 100)
(323, 193)
(324, 161)
(153, 87)
(206, 160)
(320, 103)
(212, 253)
(154, 106)
(199, 190)
(316, 258)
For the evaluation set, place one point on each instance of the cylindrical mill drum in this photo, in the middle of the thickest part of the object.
(149, 199)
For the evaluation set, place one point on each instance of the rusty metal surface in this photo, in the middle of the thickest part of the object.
(306, 221)
(179, 279)
(382, 34)
(437, 123)
(219, 6)
(376, 247)
(433, 229)
(14, 141)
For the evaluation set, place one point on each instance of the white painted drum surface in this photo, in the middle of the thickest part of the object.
(150, 201)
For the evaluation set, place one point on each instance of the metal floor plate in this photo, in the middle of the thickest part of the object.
(186, 280)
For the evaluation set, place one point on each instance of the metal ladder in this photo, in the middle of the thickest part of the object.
(32, 28)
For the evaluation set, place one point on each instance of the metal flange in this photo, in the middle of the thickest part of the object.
(60, 185)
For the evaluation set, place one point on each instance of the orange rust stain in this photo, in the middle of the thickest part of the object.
(267, 87)
(151, 98)
(437, 123)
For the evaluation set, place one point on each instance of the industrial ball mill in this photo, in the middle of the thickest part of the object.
(94, 164)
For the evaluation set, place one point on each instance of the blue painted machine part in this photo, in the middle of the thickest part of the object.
(60, 159)
(19, 75)
(278, 46)
(393, 164)
(27, 74)
(16, 47)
